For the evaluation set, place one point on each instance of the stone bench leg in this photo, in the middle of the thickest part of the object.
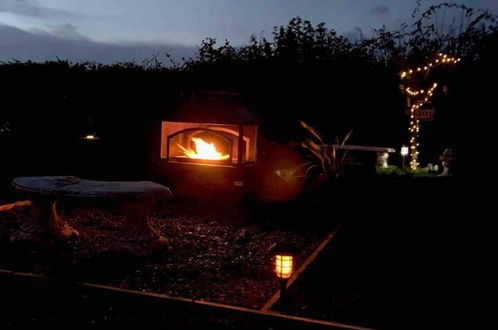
(136, 229)
(44, 222)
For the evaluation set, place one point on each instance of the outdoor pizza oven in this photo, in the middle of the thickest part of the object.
(211, 137)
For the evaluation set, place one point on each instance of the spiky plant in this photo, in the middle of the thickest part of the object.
(330, 159)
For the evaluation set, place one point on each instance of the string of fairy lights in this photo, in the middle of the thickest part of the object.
(417, 97)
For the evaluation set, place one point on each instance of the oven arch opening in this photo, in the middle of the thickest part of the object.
(202, 145)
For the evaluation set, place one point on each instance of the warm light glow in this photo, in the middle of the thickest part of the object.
(417, 96)
(283, 266)
(90, 137)
(203, 150)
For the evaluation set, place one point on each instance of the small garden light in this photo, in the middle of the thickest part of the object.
(404, 153)
(284, 266)
(89, 133)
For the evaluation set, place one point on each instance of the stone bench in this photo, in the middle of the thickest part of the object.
(135, 198)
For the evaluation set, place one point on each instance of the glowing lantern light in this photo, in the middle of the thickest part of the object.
(90, 137)
(283, 266)
(404, 153)
(203, 150)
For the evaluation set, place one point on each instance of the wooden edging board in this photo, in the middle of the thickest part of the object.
(267, 318)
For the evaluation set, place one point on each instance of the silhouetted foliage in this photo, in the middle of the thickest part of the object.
(302, 72)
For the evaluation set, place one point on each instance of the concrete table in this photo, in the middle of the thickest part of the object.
(136, 199)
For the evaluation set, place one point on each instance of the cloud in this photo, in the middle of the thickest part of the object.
(352, 35)
(32, 9)
(380, 11)
(65, 31)
(490, 4)
(66, 43)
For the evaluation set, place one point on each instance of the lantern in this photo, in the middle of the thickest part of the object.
(90, 137)
(283, 266)
(89, 133)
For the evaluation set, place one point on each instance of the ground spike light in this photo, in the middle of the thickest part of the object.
(417, 98)
(404, 152)
(284, 267)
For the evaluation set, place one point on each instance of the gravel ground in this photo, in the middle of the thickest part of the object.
(212, 256)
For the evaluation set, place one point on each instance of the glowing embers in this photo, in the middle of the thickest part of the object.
(203, 150)
(283, 266)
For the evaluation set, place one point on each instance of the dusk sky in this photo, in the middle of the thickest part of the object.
(119, 30)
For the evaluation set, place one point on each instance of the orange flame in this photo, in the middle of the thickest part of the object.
(203, 150)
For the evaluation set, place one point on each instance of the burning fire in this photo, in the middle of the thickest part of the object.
(203, 150)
